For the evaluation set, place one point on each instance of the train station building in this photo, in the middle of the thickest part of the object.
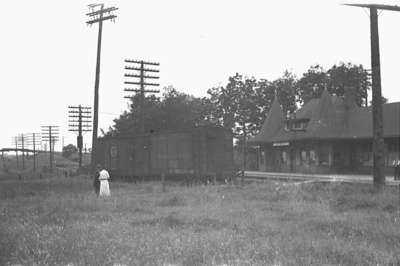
(327, 135)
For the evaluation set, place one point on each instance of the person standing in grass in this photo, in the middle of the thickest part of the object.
(396, 164)
(96, 180)
(104, 186)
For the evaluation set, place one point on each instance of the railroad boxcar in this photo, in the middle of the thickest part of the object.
(205, 151)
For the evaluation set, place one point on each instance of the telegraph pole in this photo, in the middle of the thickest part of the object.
(80, 116)
(21, 144)
(3, 159)
(33, 139)
(141, 77)
(50, 134)
(377, 113)
(15, 142)
(98, 14)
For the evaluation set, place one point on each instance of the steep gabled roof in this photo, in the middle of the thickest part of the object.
(331, 117)
(323, 120)
(275, 120)
(307, 109)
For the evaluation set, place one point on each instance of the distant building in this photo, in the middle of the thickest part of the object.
(326, 135)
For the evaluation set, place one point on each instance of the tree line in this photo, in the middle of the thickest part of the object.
(243, 103)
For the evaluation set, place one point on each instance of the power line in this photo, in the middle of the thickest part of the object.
(33, 139)
(98, 14)
(50, 134)
(15, 143)
(140, 79)
(80, 122)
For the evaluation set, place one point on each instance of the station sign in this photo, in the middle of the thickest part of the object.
(280, 144)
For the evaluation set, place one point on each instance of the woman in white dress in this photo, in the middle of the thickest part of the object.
(104, 186)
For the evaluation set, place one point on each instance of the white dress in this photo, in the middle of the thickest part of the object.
(104, 187)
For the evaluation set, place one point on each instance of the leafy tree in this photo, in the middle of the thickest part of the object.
(68, 150)
(243, 103)
(235, 105)
(173, 111)
(180, 110)
(352, 77)
(312, 84)
(285, 88)
(337, 79)
(265, 94)
(129, 122)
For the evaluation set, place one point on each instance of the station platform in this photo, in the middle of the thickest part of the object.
(296, 177)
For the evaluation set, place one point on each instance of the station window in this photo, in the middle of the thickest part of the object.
(284, 157)
(263, 157)
(299, 124)
(324, 156)
(297, 158)
(303, 156)
(313, 158)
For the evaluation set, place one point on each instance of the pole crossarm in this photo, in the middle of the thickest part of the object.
(80, 116)
(49, 126)
(75, 111)
(138, 76)
(77, 121)
(102, 11)
(144, 69)
(76, 126)
(112, 17)
(141, 62)
(78, 106)
(376, 6)
(141, 83)
(138, 90)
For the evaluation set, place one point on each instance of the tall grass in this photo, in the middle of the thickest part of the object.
(61, 222)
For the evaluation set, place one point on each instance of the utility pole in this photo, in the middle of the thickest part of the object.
(50, 134)
(3, 159)
(244, 145)
(141, 77)
(377, 113)
(80, 116)
(98, 14)
(33, 139)
(21, 144)
(15, 142)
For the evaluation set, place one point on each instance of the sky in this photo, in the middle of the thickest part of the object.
(48, 53)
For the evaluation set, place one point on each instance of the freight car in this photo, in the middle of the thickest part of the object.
(195, 154)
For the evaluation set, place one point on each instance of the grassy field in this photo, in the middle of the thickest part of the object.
(42, 162)
(61, 222)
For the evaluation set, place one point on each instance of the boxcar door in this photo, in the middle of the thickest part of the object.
(141, 156)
